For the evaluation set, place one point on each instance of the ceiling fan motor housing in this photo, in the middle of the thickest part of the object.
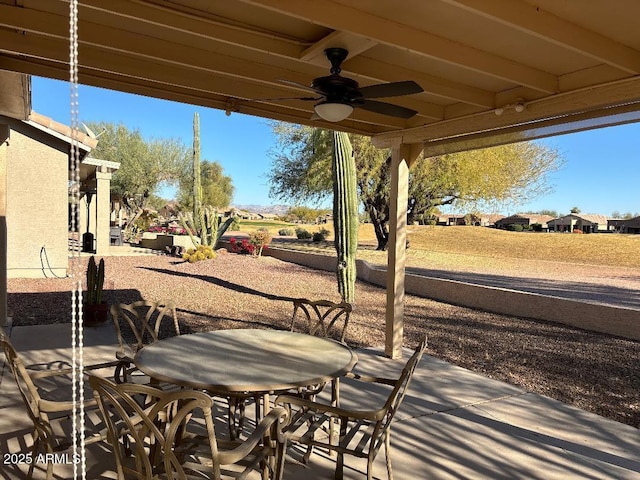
(337, 89)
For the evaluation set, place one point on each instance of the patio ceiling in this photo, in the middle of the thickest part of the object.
(562, 64)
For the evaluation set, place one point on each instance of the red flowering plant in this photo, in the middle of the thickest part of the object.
(242, 247)
(170, 230)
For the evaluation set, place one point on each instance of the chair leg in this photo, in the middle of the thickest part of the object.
(339, 475)
(370, 467)
(231, 417)
(387, 453)
(281, 449)
(34, 452)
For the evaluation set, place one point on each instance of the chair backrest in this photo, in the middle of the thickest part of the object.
(140, 323)
(402, 384)
(29, 392)
(321, 318)
(151, 420)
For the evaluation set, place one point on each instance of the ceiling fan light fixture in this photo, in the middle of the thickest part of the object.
(333, 111)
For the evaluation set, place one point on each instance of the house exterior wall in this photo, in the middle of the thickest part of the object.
(37, 204)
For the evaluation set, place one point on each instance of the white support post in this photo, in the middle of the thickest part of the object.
(102, 206)
(402, 157)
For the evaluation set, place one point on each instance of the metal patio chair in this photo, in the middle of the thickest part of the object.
(172, 435)
(46, 393)
(321, 318)
(361, 432)
(138, 324)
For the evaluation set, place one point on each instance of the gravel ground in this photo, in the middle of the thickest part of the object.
(593, 371)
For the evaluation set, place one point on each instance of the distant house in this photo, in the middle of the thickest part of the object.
(450, 219)
(37, 195)
(479, 220)
(524, 219)
(587, 223)
(631, 225)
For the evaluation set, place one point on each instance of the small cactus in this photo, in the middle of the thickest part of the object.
(95, 281)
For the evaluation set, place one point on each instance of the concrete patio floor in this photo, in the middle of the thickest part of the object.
(453, 424)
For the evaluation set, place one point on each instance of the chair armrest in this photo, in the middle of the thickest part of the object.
(277, 414)
(51, 406)
(366, 378)
(333, 411)
(36, 374)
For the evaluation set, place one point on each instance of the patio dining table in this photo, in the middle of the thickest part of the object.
(251, 361)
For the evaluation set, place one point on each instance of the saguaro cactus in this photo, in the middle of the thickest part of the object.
(198, 213)
(203, 220)
(345, 214)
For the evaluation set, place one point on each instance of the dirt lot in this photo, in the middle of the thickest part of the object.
(592, 371)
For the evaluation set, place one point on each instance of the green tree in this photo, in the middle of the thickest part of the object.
(508, 174)
(217, 188)
(145, 164)
(575, 210)
(304, 214)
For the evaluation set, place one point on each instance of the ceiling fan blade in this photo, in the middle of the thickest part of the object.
(386, 109)
(300, 85)
(393, 89)
(273, 99)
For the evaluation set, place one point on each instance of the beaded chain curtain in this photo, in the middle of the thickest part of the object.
(74, 255)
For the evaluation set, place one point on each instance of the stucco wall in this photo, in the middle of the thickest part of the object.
(37, 204)
(623, 322)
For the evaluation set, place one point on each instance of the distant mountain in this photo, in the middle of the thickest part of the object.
(272, 209)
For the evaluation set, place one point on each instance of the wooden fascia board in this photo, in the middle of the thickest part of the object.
(608, 117)
(578, 101)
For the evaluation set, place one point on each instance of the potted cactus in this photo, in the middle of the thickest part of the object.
(95, 308)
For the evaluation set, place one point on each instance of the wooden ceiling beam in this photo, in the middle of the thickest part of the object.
(163, 51)
(453, 91)
(60, 71)
(342, 17)
(596, 99)
(532, 20)
(272, 45)
(355, 44)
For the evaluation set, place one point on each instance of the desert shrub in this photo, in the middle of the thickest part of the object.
(515, 227)
(303, 234)
(260, 239)
(286, 232)
(198, 254)
(235, 225)
(321, 235)
(536, 227)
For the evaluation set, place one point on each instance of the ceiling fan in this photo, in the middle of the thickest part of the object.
(338, 95)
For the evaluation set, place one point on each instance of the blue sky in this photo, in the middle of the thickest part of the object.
(600, 175)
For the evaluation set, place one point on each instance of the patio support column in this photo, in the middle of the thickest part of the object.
(402, 156)
(4, 136)
(103, 210)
